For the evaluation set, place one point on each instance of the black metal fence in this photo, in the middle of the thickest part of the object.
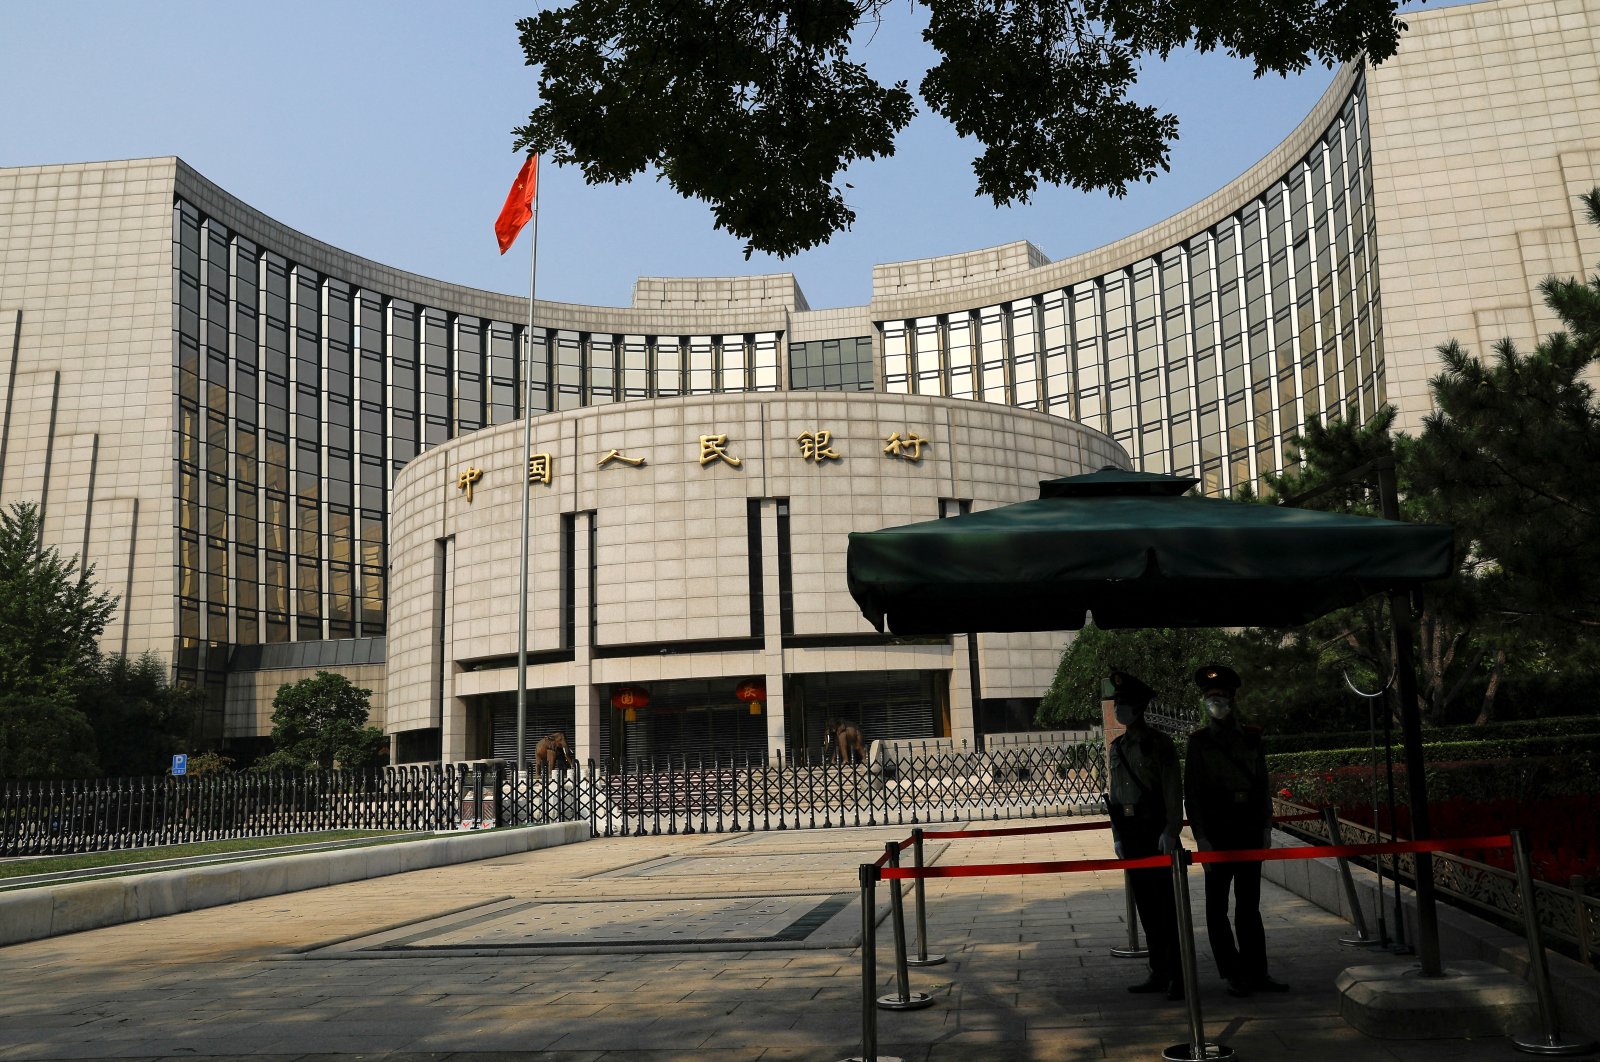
(631, 798)
(1569, 916)
(102, 814)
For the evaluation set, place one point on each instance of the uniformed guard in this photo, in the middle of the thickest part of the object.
(1146, 809)
(1230, 808)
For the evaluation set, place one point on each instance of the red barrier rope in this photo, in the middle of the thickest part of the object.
(1016, 831)
(1252, 855)
(1066, 866)
(1071, 827)
(1072, 866)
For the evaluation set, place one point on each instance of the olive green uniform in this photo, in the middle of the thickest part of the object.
(1146, 800)
(1230, 808)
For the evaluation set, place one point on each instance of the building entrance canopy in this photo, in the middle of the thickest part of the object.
(1131, 549)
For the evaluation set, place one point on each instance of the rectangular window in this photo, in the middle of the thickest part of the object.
(669, 366)
(752, 517)
(785, 569)
(702, 366)
(734, 363)
(635, 367)
(569, 580)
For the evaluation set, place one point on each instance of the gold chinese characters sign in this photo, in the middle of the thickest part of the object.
(616, 455)
(817, 446)
(715, 448)
(467, 479)
(908, 446)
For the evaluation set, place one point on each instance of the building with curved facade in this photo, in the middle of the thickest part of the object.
(684, 547)
(233, 420)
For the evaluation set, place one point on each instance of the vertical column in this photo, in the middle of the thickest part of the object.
(10, 347)
(30, 430)
(963, 726)
(69, 496)
(766, 535)
(585, 695)
(449, 715)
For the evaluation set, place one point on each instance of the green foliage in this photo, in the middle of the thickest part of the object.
(757, 107)
(44, 736)
(210, 763)
(1164, 659)
(1584, 746)
(1519, 778)
(321, 722)
(1575, 726)
(50, 614)
(139, 718)
(1511, 454)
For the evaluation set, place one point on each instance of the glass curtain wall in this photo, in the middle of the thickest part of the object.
(298, 396)
(1207, 358)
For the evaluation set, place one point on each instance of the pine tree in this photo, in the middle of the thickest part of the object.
(1511, 454)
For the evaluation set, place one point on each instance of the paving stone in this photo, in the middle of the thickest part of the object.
(1030, 974)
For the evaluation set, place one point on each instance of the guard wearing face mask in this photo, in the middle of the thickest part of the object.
(1230, 808)
(1146, 808)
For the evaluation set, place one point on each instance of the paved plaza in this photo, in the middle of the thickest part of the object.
(650, 949)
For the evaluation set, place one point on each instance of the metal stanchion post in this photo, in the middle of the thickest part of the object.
(1579, 891)
(1549, 1040)
(1361, 939)
(1196, 1049)
(923, 958)
(1133, 950)
(904, 998)
(869, 968)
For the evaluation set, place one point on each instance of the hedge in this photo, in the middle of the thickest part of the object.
(1524, 778)
(1584, 745)
(1563, 726)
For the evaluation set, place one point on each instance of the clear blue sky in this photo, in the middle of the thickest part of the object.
(384, 128)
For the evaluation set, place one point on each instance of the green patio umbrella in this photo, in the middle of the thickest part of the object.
(1134, 550)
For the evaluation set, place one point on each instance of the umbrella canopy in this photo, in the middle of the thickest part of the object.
(1132, 549)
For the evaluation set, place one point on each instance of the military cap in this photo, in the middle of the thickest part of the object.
(1217, 677)
(1124, 687)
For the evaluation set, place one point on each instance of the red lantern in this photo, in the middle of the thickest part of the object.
(752, 691)
(628, 700)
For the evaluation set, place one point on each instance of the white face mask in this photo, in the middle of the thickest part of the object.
(1126, 714)
(1218, 706)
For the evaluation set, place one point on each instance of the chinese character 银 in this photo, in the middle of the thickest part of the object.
(817, 446)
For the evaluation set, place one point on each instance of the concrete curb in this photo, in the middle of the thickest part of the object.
(1461, 935)
(52, 910)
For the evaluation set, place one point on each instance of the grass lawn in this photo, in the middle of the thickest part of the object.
(244, 846)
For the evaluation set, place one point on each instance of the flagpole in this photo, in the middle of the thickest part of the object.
(527, 458)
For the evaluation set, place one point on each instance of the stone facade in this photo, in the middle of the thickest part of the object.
(214, 409)
(700, 568)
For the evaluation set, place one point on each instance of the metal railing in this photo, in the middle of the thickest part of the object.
(677, 794)
(1567, 914)
(702, 794)
(102, 814)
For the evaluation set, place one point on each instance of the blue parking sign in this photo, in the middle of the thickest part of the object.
(180, 763)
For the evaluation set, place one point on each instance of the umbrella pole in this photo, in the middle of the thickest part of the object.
(977, 692)
(1401, 616)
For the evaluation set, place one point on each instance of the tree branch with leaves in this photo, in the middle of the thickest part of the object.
(758, 107)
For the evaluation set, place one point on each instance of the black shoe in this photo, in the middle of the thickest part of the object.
(1267, 984)
(1175, 990)
(1238, 988)
(1149, 984)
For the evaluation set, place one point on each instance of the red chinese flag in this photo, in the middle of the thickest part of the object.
(519, 204)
